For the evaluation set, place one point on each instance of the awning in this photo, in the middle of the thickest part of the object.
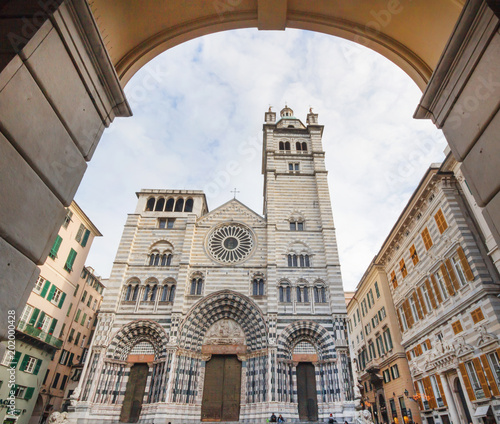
(482, 411)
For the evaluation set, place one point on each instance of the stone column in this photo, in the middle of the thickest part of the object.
(452, 407)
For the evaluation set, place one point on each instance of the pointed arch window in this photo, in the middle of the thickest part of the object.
(302, 261)
(188, 207)
(150, 204)
(170, 205)
(179, 205)
(302, 294)
(135, 292)
(153, 292)
(160, 204)
(319, 294)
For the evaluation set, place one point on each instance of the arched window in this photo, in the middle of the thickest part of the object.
(147, 289)
(294, 260)
(160, 204)
(157, 259)
(298, 146)
(258, 287)
(296, 226)
(299, 294)
(172, 294)
(136, 292)
(170, 205)
(304, 146)
(169, 260)
(319, 294)
(196, 286)
(150, 204)
(128, 293)
(163, 260)
(151, 259)
(308, 264)
(164, 294)
(290, 263)
(287, 145)
(179, 205)
(282, 145)
(153, 292)
(188, 207)
(302, 262)
(285, 293)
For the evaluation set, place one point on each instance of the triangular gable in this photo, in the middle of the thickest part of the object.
(233, 209)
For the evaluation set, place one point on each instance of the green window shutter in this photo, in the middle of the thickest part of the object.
(83, 319)
(15, 359)
(45, 288)
(70, 361)
(85, 238)
(34, 316)
(77, 315)
(37, 366)
(55, 247)
(70, 261)
(52, 326)
(61, 301)
(40, 319)
(51, 292)
(29, 393)
(24, 362)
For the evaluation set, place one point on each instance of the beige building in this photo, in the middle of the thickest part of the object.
(65, 370)
(378, 356)
(444, 287)
(42, 325)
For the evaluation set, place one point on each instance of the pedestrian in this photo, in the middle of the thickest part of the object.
(330, 420)
(273, 418)
(281, 419)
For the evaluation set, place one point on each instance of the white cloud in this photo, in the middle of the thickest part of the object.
(198, 114)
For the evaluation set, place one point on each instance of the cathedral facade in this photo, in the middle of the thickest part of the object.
(227, 315)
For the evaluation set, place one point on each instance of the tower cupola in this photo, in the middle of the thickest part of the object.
(286, 112)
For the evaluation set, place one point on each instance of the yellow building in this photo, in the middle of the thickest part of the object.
(378, 357)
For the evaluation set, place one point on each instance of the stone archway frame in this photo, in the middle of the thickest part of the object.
(220, 305)
(136, 331)
(308, 331)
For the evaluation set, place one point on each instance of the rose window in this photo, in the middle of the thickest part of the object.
(230, 243)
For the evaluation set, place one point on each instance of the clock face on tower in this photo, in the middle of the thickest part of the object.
(230, 243)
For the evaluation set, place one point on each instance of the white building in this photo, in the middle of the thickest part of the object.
(197, 298)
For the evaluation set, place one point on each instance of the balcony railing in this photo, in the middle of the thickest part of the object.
(38, 333)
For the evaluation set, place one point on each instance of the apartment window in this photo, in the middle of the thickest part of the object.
(90, 301)
(377, 291)
(55, 247)
(369, 296)
(457, 327)
(426, 237)
(88, 322)
(28, 365)
(56, 380)
(495, 366)
(402, 268)
(427, 299)
(474, 380)
(457, 264)
(381, 313)
(69, 309)
(440, 221)
(94, 305)
(84, 296)
(84, 318)
(441, 284)
(63, 382)
(25, 316)
(375, 321)
(46, 321)
(413, 254)
(404, 323)
(83, 341)
(68, 266)
(394, 280)
(477, 315)
(395, 371)
(67, 219)
(57, 296)
(364, 309)
(371, 349)
(77, 316)
(368, 329)
(387, 376)
(77, 338)
(63, 359)
(380, 346)
(39, 284)
(413, 307)
(388, 339)
(71, 333)
(61, 333)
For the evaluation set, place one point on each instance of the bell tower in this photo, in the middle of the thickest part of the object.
(297, 203)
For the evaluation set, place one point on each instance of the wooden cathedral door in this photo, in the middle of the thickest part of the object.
(222, 388)
(306, 392)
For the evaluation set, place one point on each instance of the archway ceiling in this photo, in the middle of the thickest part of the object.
(412, 34)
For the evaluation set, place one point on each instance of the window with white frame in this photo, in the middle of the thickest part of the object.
(495, 366)
(47, 320)
(457, 264)
(25, 316)
(395, 371)
(437, 392)
(39, 284)
(30, 365)
(381, 313)
(57, 296)
(441, 284)
(404, 323)
(388, 339)
(474, 380)
(427, 298)
(413, 309)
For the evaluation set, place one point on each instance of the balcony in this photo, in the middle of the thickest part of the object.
(37, 333)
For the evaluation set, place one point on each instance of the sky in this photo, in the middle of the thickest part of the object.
(198, 114)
